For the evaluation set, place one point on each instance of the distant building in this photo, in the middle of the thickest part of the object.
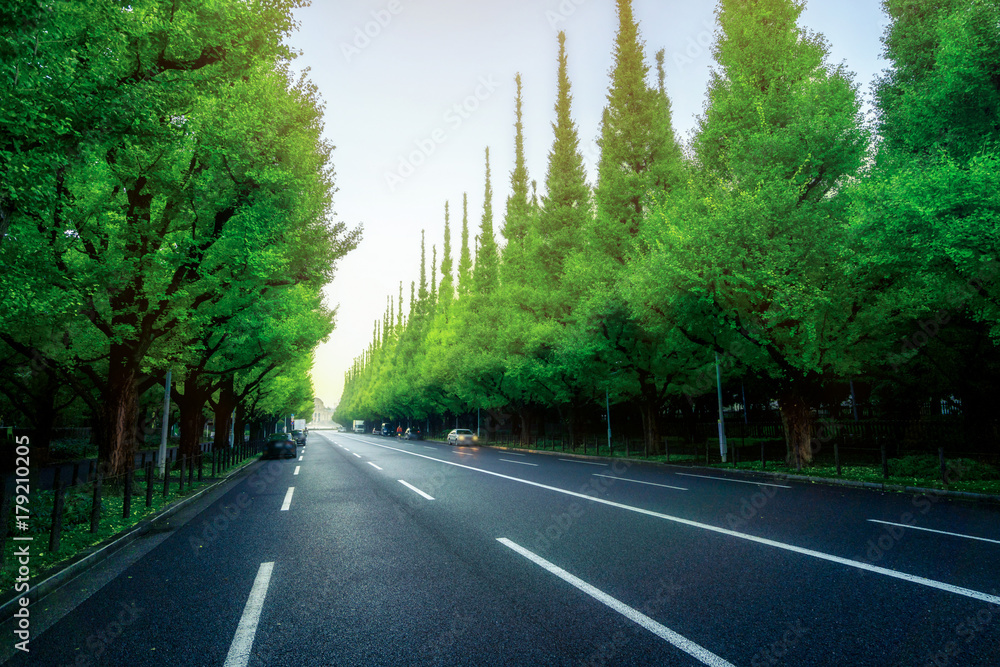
(321, 413)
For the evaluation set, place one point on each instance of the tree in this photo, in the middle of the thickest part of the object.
(750, 259)
(197, 195)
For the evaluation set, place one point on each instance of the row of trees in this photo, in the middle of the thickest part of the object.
(798, 242)
(164, 206)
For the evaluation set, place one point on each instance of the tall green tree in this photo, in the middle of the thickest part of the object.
(750, 259)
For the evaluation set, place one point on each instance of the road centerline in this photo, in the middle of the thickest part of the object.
(415, 489)
(373, 465)
(297, 468)
(520, 463)
(288, 499)
(636, 481)
(737, 481)
(939, 532)
(586, 463)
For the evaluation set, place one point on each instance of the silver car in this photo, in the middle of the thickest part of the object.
(462, 436)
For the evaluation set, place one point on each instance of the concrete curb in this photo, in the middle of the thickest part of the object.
(831, 481)
(96, 554)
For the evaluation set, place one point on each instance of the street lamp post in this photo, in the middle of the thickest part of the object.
(162, 454)
(607, 409)
(722, 424)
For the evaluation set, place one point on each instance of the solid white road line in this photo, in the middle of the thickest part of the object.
(288, 499)
(939, 532)
(413, 488)
(701, 654)
(948, 588)
(356, 454)
(738, 481)
(523, 463)
(297, 468)
(586, 463)
(373, 465)
(635, 481)
(239, 651)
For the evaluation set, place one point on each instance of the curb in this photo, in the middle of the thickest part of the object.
(831, 481)
(98, 553)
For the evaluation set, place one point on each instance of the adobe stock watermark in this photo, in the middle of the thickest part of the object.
(365, 34)
(609, 652)
(892, 534)
(98, 642)
(562, 13)
(561, 523)
(931, 328)
(427, 146)
(971, 627)
(775, 653)
(695, 48)
(214, 527)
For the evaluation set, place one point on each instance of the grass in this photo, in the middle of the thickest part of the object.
(75, 536)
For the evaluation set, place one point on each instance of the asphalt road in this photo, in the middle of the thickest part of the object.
(371, 551)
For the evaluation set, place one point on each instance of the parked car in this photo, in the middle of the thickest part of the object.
(299, 436)
(279, 447)
(462, 436)
(413, 433)
(376, 431)
(387, 429)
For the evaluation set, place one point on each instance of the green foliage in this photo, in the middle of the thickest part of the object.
(168, 199)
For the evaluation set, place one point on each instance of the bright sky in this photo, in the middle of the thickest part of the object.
(415, 91)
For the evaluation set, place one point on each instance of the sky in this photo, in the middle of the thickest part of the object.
(416, 90)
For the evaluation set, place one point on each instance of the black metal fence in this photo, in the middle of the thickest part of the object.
(77, 491)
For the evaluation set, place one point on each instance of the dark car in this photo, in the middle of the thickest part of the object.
(387, 429)
(279, 447)
(299, 436)
(413, 433)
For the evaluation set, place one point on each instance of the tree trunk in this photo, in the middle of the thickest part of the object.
(239, 425)
(796, 418)
(223, 411)
(192, 420)
(119, 413)
(650, 411)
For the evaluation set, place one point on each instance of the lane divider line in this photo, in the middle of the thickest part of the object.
(930, 583)
(288, 499)
(635, 481)
(373, 465)
(297, 468)
(696, 651)
(522, 463)
(239, 650)
(586, 463)
(939, 532)
(413, 488)
(738, 481)
(356, 454)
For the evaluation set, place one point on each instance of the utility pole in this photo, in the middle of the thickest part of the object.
(162, 454)
(607, 409)
(722, 423)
